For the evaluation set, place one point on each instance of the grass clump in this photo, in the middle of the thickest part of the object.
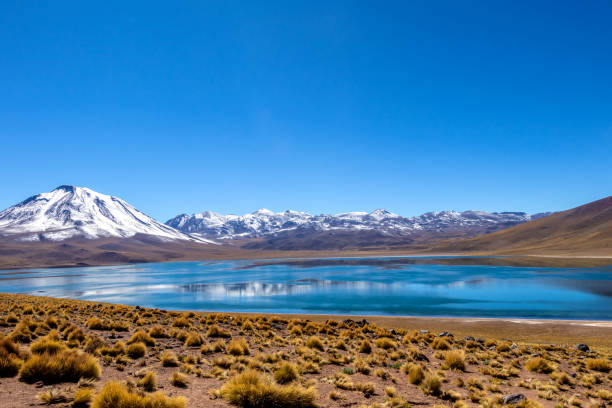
(136, 350)
(238, 347)
(250, 389)
(10, 360)
(194, 339)
(416, 374)
(538, 365)
(82, 398)
(53, 397)
(216, 331)
(168, 359)
(47, 345)
(141, 337)
(179, 380)
(286, 373)
(158, 332)
(148, 382)
(116, 395)
(385, 343)
(65, 366)
(431, 384)
(365, 347)
(455, 360)
(599, 364)
(315, 343)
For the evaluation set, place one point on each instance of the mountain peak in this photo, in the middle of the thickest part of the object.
(70, 211)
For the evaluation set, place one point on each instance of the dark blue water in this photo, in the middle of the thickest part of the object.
(430, 290)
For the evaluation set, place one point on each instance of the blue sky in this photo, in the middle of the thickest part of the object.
(316, 106)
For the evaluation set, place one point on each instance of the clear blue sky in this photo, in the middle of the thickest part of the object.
(316, 106)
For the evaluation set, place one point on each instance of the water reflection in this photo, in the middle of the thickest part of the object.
(419, 289)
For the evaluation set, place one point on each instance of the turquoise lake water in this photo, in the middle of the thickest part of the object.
(426, 290)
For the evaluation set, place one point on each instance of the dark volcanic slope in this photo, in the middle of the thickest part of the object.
(584, 230)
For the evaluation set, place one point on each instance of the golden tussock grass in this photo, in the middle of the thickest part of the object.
(65, 366)
(238, 347)
(286, 373)
(116, 395)
(136, 350)
(599, 364)
(251, 389)
(538, 365)
(455, 360)
(216, 331)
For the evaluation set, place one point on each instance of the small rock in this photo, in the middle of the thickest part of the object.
(514, 346)
(514, 399)
(38, 384)
(583, 347)
(424, 331)
(469, 338)
(480, 341)
(445, 334)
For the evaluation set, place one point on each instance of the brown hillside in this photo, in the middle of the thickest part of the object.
(584, 230)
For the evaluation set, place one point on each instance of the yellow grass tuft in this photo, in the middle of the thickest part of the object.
(66, 366)
(599, 364)
(252, 390)
(286, 373)
(116, 395)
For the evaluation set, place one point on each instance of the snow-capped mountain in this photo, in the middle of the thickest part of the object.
(70, 211)
(264, 222)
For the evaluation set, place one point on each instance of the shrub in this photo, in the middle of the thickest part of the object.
(365, 347)
(141, 337)
(168, 359)
(116, 395)
(136, 350)
(65, 366)
(314, 342)
(599, 364)
(250, 389)
(431, 384)
(238, 347)
(148, 382)
(82, 398)
(455, 360)
(179, 380)
(538, 365)
(216, 331)
(286, 373)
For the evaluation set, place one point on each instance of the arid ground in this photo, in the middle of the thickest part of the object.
(77, 353)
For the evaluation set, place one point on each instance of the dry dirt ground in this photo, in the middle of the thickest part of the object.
(327, 362)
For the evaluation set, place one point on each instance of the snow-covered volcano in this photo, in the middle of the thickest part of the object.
(70, 211)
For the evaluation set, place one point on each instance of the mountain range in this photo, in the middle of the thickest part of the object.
(78, 226)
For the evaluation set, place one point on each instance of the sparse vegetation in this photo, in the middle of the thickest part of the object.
(272, 361)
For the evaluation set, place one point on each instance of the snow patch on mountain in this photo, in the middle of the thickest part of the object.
(70, 211)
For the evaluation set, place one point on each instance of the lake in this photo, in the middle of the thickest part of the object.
(362, 289)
